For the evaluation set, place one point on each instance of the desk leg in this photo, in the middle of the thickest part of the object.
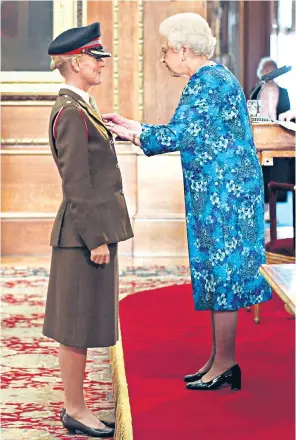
(257, 313)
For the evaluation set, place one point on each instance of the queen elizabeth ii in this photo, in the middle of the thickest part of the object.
(223, 188)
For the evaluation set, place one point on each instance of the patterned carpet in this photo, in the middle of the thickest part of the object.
(31, 385)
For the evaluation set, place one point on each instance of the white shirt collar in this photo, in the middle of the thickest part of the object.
(84, 95)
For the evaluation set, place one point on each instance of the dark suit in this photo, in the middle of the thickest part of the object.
(82, 299)
(283, 104)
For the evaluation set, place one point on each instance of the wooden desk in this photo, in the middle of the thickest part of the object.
(272, 141)
(282, 278)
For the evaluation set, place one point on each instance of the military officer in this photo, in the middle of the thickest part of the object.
(82, 299)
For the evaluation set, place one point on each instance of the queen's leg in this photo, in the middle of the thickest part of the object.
(210, 361)
(225, 324)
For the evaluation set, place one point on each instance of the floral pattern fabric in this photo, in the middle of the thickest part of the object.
(223, 189)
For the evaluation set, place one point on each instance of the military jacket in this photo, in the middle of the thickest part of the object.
(93, 210)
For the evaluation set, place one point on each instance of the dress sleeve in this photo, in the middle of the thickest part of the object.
(159, 139)
(194, 112)
(72, 150)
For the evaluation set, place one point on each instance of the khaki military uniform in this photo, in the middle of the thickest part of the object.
(82, 299)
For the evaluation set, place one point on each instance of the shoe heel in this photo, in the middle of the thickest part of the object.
(236, 387)
(236, 383)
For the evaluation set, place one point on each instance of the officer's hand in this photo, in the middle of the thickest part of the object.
(100, 255)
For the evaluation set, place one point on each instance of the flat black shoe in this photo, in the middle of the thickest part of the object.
(110, 424)
(193, 377)
(231, 377)
(74, 427)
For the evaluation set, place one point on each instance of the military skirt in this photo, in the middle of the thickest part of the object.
(82, 299)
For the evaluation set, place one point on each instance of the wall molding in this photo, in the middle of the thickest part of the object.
(167, 218)
(141, 60)
(20, 152)
(122, 148)
(28, 215)
(24, 141)
(115, 19)
(139, 254)
(22, 100)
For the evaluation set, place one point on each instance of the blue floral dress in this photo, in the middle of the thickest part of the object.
(223, 189)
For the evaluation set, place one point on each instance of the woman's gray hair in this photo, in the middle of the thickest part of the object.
(190, 30)
(262, 62)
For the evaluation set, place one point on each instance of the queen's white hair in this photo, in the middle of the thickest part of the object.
(190, 30)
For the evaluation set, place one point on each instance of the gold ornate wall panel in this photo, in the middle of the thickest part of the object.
(102, 11)
(161, 92)
(25, 120)
(27, 236)
(30, 183)
(160, 187)
(129, 66)
(160, 238)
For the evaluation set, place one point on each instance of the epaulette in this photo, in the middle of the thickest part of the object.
(68, 103)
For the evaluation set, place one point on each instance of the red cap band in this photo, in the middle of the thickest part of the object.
(94, 43)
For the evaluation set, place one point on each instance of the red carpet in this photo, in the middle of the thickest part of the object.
(164, 339)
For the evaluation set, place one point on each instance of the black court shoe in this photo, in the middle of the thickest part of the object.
(75, 427)
(110, 424)
(231, 377)
(193, 377)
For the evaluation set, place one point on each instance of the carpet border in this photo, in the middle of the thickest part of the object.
(123, 416)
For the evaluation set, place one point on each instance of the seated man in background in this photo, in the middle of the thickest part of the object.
(274, 101)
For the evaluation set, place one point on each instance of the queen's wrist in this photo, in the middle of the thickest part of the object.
(133, 137)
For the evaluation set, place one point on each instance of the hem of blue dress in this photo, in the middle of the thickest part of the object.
(225, 309)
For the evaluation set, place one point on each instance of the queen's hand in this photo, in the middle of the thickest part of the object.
(120, 131)
(123, 122)
(124, 133)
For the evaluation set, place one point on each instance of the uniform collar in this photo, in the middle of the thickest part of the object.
(84, 95)
(65, 91)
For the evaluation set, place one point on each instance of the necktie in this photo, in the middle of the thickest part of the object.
(93, 104)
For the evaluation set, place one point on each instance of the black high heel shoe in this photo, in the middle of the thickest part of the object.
(231, 377)
(73, 426)
(110, 424)
(193, 377)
